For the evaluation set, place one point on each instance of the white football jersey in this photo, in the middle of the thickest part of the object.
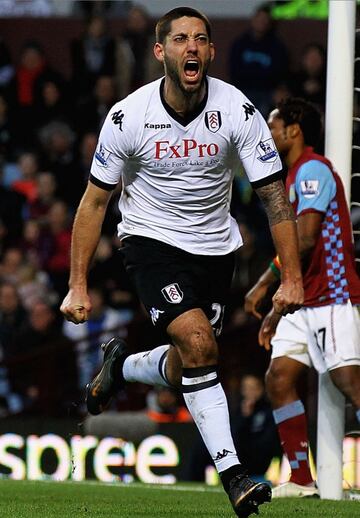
(177, 175)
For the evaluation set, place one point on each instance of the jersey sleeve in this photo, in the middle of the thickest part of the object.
(112, 150)
(255, 146)
(315, 186)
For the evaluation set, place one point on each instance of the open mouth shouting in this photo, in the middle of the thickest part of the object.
(192, 70)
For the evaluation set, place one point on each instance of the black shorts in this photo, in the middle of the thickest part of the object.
(170, 281)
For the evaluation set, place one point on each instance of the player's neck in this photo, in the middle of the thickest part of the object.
(294, 154)
(182, 103)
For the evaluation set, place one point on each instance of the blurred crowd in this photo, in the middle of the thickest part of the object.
(48, 132)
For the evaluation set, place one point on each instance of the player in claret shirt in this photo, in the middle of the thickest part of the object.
(324, 333)
(174, 145)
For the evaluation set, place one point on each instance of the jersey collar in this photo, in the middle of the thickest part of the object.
(184, 121)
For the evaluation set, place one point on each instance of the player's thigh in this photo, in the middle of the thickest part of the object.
(170, 281)
(212, 278)
(334, 336)
(161, 279)
(290, 339)
(347, 379)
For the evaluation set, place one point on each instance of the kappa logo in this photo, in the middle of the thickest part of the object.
(117, 118)
(213, 121)
(149, 125)
(309, 188)
(155, 314)
(102, 155)
(249, 109)
(266, 151)
(173, 293)
(222, 454)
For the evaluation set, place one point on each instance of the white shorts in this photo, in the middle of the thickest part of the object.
(325, 337)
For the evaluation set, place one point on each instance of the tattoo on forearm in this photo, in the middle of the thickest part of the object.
(276, 204)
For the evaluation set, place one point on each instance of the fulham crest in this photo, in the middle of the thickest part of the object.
(173, 293)
(213, 121)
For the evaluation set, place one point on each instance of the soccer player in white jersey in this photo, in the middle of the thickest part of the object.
(174, 145)
(325, 332)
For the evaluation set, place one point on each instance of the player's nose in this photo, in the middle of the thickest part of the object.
(192, 46)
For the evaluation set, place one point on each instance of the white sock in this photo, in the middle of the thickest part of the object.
(147, 367)
(206, 401)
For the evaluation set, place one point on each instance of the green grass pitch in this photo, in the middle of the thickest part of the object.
(25, 499)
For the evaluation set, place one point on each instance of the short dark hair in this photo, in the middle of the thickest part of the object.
(163, 26)
(295, 110)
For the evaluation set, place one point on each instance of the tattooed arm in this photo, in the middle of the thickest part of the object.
(290, 294)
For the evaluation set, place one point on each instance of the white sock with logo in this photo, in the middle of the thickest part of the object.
(147, 367)
(206, 401)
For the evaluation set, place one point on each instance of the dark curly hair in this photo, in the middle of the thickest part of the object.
(295, 110)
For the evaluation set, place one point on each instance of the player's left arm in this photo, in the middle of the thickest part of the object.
(290, 295)
(262, 164)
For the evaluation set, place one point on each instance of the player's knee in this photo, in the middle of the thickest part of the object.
(277, 382)
(201, 351)
(198, 349)
(194, 339)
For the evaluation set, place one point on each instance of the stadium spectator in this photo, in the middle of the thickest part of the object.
(12, 316)
(10, 264)
(34, 249)
(259, 60)
(92, 110)
(30, 67)
(45, 370)
(7, 70)
(309, 82)
(46, 189)
(178, 236)
(33, 285)
(26, 184)
(92, 56)
(164, 406)
(31, 70)
(135, 64)
(59, 156)
(53, 102)
(325, 333)
(12, 206)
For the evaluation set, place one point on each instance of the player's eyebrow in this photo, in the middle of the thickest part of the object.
(187, 35)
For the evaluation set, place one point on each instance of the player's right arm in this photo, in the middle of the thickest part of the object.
(85, 237)
(106, 169)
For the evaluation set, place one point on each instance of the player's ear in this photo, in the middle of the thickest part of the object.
(159, 51)
(294, 130)
(212, 51)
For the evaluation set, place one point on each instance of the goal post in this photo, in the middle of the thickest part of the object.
(338, 146)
